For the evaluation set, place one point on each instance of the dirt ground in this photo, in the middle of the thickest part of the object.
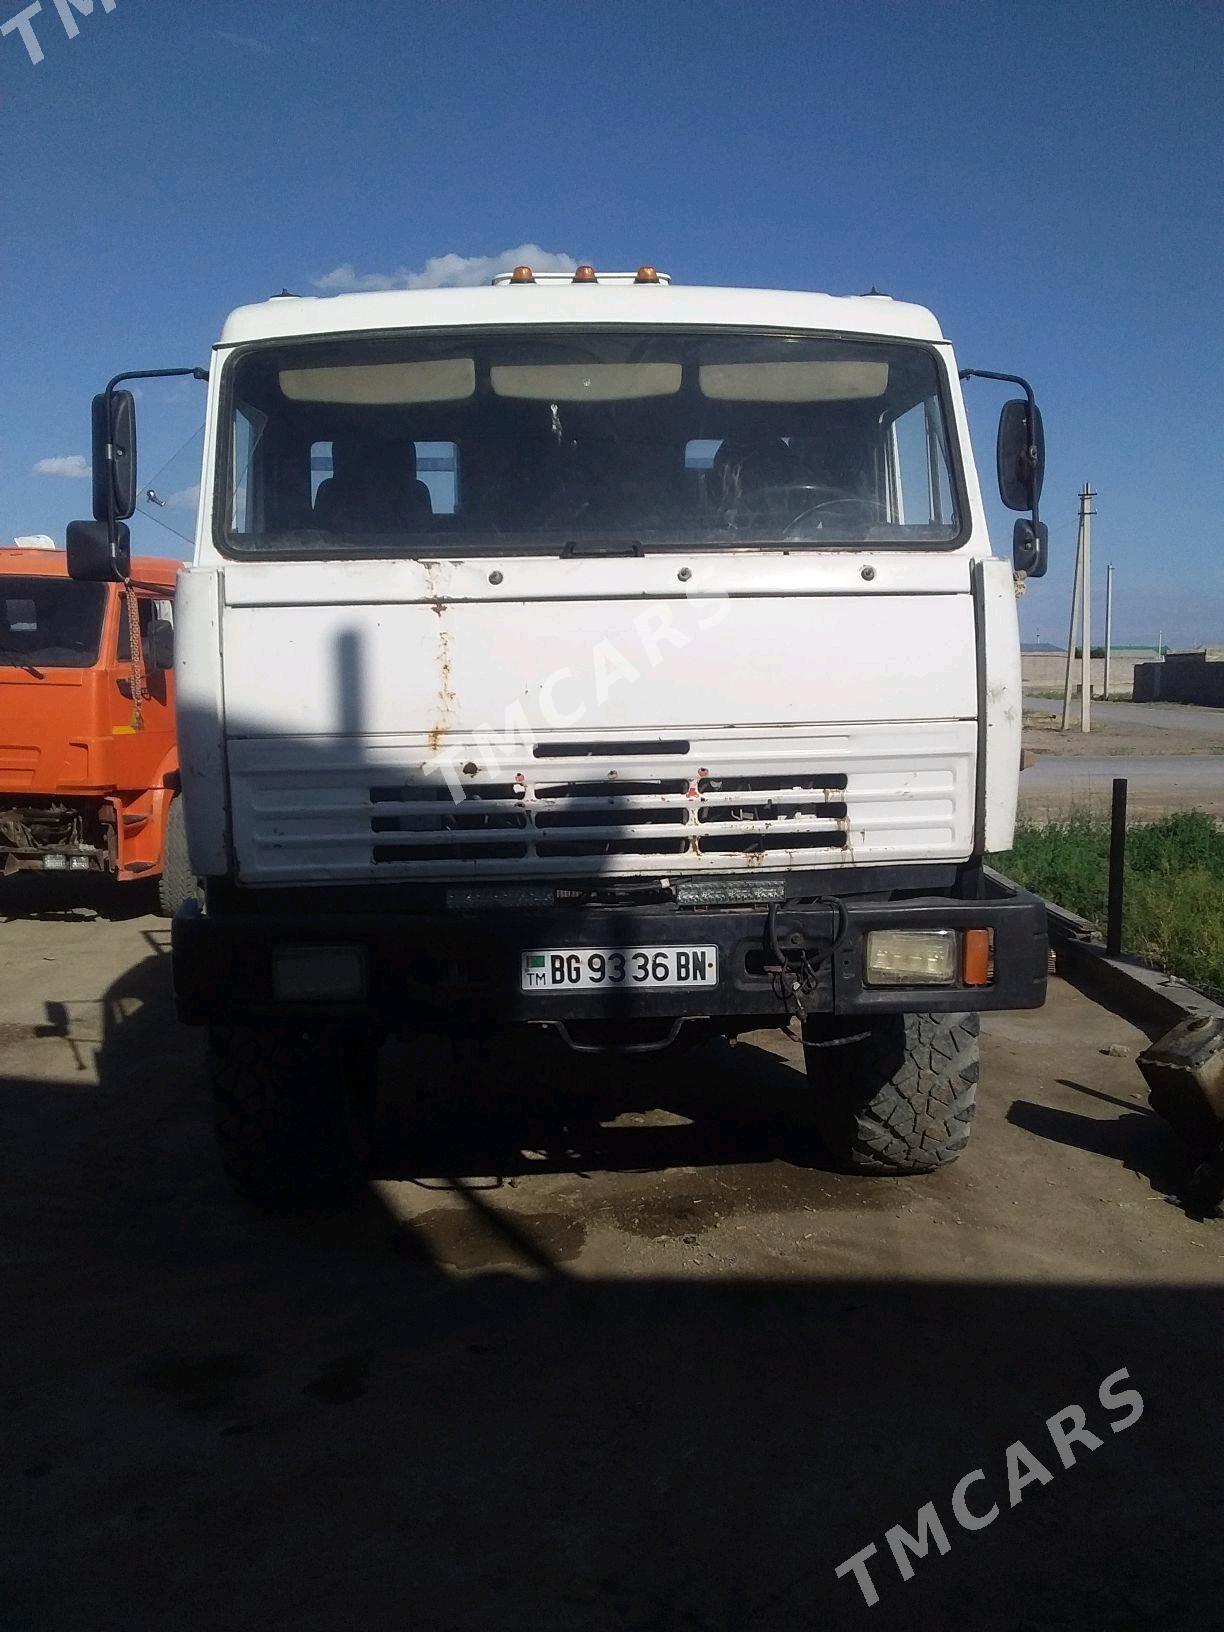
(597, 1348)
(1125, 728)
(1172, 756)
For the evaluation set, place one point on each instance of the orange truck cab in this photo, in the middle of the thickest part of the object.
(89, 773)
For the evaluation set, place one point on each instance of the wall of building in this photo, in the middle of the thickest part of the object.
(1183, 677)
(1045, 671)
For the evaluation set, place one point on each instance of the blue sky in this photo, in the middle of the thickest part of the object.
(1047, 177)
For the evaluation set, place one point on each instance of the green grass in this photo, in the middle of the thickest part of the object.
(1174, 897)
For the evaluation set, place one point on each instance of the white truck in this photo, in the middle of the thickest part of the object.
(597, 654)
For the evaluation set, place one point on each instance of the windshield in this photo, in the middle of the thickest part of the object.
(539, 440)
(50, 623)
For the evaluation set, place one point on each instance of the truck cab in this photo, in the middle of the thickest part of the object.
(88, 768)
(601, 655)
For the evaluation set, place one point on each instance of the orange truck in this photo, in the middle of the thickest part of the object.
(89, 772)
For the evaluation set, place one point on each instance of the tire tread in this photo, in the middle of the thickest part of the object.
(290, 1114)
(902, 1100)
(176, 882)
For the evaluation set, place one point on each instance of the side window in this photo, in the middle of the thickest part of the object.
(320, 467)
(438, 468)
(699, 455)
(437, 465)
(921, 485)
(148, 610)
(245, 516)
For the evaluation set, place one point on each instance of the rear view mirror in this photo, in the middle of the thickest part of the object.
(1030, 545)
(1021, 461)
(114, 455)
(91, 557)
(161, 644)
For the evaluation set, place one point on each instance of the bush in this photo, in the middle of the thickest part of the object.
(1173, 912)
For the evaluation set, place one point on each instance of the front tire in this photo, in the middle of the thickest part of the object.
(293, 1112)
(176, 883)
(901, 1098)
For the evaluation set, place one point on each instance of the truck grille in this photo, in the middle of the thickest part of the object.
(646, 818)
(773, 800)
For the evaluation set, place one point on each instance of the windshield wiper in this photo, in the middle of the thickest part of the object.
(601, 547)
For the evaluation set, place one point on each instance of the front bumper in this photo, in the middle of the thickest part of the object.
(452, 969)
(41, 833)
(64, 858)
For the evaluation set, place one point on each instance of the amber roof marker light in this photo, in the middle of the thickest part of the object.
(522, 274)
(585, 273)
(646, 274)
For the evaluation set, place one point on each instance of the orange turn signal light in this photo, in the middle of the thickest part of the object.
(585, 273)
(977, 957)
(522, 274)
(646, 274)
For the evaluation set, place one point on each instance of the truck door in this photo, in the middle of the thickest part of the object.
(139, 754)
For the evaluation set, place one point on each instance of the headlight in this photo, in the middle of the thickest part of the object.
(909, 957)
(325, 974)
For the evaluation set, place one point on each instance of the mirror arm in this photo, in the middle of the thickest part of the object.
(112, 536)
(157, 374)
(1030, 413)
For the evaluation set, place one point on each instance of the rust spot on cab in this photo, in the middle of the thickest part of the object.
(437, 604)
(847, 851)
(445, 702)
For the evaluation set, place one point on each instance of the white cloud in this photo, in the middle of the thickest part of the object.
(187, 498)
(345, 280)
(69, 464)
(445, 271)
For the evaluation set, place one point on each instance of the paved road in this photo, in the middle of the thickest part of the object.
(617, 1352)
(1201, 722)
(1172, 756)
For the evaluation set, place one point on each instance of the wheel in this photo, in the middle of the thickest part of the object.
(899, 1099)
(176, 883)
(293, 1112)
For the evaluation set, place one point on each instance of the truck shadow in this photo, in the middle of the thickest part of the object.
(223, 1418)
(39, 896)
(530, 1105)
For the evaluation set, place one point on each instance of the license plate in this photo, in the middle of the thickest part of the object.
(605, 968)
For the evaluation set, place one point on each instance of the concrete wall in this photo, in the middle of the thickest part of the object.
(1183, 677)
(1044, 671)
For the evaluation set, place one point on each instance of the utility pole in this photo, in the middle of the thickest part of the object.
(1087, 513)
(1075, 606)
(1108, 626)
